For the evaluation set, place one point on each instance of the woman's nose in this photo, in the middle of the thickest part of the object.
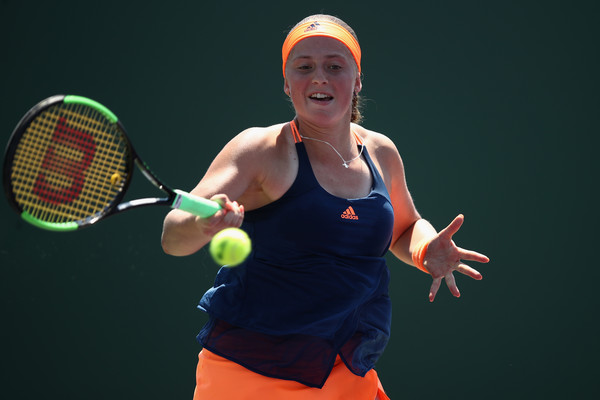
(319, 76)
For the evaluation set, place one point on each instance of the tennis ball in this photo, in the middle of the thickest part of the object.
(230, 247)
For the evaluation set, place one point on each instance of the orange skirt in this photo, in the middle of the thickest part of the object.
(219, 378)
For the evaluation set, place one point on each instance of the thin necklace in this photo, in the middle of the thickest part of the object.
(344, 162)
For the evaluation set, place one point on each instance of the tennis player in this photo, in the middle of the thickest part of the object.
(307, 315)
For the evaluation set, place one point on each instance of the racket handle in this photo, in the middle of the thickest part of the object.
(195, 205)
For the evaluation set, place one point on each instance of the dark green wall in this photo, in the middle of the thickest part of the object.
(493, 105)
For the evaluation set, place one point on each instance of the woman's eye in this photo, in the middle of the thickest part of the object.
(335, 67)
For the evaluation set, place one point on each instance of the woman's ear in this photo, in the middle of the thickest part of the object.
(357, 84)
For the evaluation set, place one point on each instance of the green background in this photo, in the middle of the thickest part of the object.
(492, 104)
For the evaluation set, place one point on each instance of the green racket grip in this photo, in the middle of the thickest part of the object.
(195, 205)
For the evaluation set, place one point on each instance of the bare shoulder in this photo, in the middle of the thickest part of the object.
(263, 162)
(252, 142)
(382, 149)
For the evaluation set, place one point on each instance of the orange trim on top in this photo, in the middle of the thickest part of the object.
(295, 133)
(298, 138)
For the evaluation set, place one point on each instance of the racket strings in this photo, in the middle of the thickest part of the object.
(70, 164)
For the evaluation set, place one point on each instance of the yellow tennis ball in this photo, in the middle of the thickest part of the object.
(230, 247)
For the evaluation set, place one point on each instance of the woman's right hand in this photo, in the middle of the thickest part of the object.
(184, 234)
(231, 215)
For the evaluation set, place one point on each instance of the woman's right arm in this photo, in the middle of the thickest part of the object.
(184, 234)
(229, 176)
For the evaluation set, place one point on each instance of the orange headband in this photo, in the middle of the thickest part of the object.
(320, 28)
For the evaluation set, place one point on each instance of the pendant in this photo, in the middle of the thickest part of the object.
(345, 165)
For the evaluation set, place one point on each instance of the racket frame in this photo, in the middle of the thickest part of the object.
(175, 198)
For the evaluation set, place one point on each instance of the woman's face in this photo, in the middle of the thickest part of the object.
(321, 78)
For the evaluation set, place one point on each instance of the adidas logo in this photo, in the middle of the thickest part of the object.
(349, 213)
(312, 27)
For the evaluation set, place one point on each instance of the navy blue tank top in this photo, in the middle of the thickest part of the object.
(314, 287)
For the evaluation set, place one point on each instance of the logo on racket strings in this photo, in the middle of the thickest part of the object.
(56, 163)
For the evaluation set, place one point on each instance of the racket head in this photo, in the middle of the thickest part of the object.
(68, 163)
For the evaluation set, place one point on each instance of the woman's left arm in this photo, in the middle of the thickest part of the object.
(440, 256)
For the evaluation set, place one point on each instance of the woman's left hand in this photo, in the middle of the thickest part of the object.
(443, 257)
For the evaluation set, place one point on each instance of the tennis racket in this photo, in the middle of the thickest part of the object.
(69, 163)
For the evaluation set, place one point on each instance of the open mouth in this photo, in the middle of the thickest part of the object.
(320, 97)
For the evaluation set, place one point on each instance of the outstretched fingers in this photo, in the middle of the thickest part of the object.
(451, 283)
(437, 282)
(472, 256)
(435, 286)
(444, 257)
(470, 272)
(452, 228)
